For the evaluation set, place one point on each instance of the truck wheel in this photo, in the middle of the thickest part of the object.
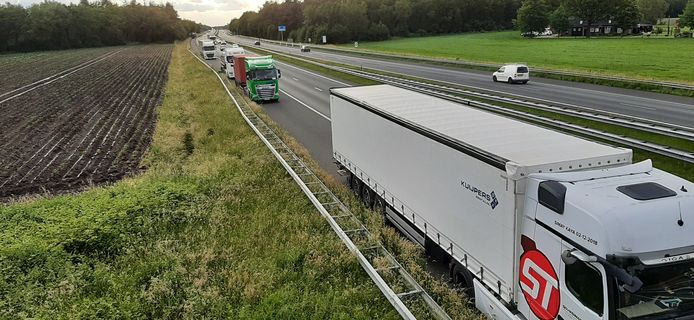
(380, 205)
(367, 196)
(461, 277)
(494, 79)
(355, 184)
(510, 80)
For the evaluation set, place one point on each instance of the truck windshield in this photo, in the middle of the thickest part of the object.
(269, 74)
(667, 292)
(208, 48)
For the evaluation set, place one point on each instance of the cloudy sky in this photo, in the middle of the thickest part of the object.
(209, 12)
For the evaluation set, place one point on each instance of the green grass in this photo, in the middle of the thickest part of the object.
(214, 229)
(634, 57)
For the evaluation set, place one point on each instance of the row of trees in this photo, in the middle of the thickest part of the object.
(536, 15)
(354, 20)
(53, 25)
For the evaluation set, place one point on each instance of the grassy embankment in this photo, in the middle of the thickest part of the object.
(631, 57)
(215, 228)
(677, 167)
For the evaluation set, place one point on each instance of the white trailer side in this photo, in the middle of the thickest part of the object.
(456, 173)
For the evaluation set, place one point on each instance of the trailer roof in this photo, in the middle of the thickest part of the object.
(519, 148)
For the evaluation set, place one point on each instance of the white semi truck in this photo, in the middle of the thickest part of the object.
(226, 59)
(536, 223)
(207, 49)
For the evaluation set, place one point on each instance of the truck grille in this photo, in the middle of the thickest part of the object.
(266, 93)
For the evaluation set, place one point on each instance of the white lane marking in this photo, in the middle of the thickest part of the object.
(295, 79)
(637, 106)
(305, 105)
(314, 74)
(319, 89)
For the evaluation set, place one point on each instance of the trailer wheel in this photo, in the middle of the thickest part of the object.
(462, 277)
(367, 196)
(355, 184)
(380, 205)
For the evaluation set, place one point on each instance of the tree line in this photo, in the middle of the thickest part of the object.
(356, 20)
(536, 15)
(52, 25)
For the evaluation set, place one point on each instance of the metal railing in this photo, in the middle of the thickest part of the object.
(375, 259)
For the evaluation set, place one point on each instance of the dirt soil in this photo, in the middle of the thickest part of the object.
(90, 127)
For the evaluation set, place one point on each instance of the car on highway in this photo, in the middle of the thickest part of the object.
(257, 42)
(512, 73)
(305, 49)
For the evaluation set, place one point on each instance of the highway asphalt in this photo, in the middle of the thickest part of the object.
(660, 107)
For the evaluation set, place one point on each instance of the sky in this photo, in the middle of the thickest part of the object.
(209, 12)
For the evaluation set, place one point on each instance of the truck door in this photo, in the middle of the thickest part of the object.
(583, 289)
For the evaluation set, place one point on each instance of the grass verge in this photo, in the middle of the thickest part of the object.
(214, 229)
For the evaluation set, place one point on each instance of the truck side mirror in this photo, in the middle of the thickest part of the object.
(279, 74)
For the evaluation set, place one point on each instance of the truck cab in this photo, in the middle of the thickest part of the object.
(611, 244)
(226, 60)
(262, 78)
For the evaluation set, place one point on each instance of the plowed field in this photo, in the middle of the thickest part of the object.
(90, 126)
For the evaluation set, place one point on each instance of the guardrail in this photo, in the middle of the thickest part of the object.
(656, 83)
(347, 226)
(453, 95)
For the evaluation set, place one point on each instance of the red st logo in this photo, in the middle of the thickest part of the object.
(539, 284)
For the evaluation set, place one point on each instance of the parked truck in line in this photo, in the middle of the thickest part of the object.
(258, 77)
(535, 223)
(226, 60)
(207, 49)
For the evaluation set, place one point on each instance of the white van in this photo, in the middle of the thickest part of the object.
(512, 73)
(226, 60)
(208, 49)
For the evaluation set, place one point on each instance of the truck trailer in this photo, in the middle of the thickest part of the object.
(535, 223)
(260, 78)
